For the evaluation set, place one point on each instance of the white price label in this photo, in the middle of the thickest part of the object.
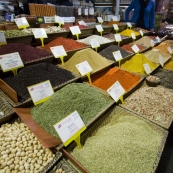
(84, 68)
(58, 51)
(170, 50)
(49, 19)
(117, 55)
(152, 43)
(59, 19)
(158, 39)
(86, 12)
(2, 38)
(129, 24)
(39, 33)
(100, 20)
(141, 32)
(99, 28)
(10, 61)
(82, 22)
(1, 113)
(21, 22)
(94, 43)
(79, 11)
(135, 48)
(75, 30)
(118, 37)
(69, 126)
(147, 68)
(161, 60)
(115, 26)
(91, 11)
(116, 91)
(115, 18)
(40, 92)
(133, 36)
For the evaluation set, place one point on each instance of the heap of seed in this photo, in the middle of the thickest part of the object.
(144, 41)
(37, 73)
(108, 52)
(126, 144)
(86, 100)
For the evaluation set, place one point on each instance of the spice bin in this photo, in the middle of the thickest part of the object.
(119, 160)
(107, 30)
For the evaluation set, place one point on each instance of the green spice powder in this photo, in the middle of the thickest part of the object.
(87, 100)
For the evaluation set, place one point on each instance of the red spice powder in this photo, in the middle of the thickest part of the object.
(106, 79)
(80, 26)
(68, 44)
(127, 47)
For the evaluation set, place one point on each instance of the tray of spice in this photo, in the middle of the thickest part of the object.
(95, 60)
(6, 110)
(128, 32)
(146, 102)
(106, 30)
(88, 101)
(145, 32)
(14, 88)
(120, 141)
(128, 80)
(121, 26)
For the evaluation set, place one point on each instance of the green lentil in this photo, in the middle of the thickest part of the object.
(87, 100)
(127, 144)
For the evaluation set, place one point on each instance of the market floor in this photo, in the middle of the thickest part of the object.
(166, 161)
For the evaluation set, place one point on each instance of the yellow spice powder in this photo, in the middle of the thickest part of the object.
(128, 32)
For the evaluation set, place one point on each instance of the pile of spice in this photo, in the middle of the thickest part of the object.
(126, 144)
(107, 52)
(49, 29)
(67, 43)
(128, 32)
(21, 151)
(37, 73)
(163, 47)
(128, 47)
(153, 103)
(85, 99)
(135, 64)
(166, 77)
(169, 65)
(26, 52)
(114, 22)
(100, 39)
(96, 61)
(154, 55)
(169, 42)
(80, 26)
(138, 29)
(126, 79)
(111, 36)
(15, 33)
(144, 41)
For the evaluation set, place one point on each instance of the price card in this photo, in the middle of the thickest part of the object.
(114, 18)
(94, 43)
(161, 60)
(1, 113)
(70, 127)
(152, 43)
(158, 39)
(10, 61)
(84, 68)
(133, 36)
(79, 11)
(116, 91)
(118, 37)
(129, 24)
(50, 19)
(2, 39)
(135, 48)
(75, 30)
(58, 51)
(82, 22)
(59, 20)
(99, 28)
(170, 50)
(40, 92)
(39, 33)
(21, 22)
(86, 12)
(100, 20)
(147, 68)
(141, 32)
(117, 55)
(115, 26)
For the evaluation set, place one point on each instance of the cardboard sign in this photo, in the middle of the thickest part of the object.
(21, 22)
(135, 48)
(147, 68)
(39, 33)
(49, 19)
(58, 51)
(161, 60)
(100, 20)
(75, 30)
(117, 55)
(115, 26)
(129, 24)
(141, 32)
(59, 20)
(99, 28)
(133, 36)
(2, 39)
(118, 37)
(94, 43)
(84, 68)
(82, 23)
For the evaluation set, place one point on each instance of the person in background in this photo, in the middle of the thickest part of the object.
(64, 2)
(17, 10)
(143, 14)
